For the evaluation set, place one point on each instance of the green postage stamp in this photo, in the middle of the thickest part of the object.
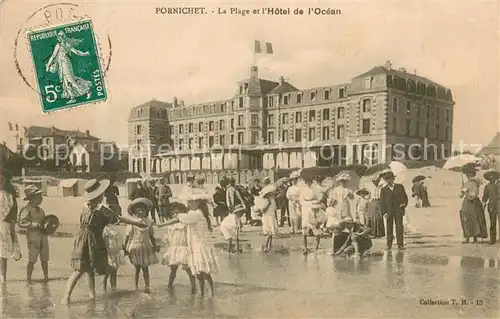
(67, 66)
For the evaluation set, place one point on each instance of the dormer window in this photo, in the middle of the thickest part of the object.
(326, 94)
(341, 93)
(285, 99)
(368, 83)
(313, 96)
(245, 87)
(240, 102)
(270, 101)
(299, 97)
(241, 89)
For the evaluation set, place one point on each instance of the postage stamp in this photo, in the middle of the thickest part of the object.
(67, 66)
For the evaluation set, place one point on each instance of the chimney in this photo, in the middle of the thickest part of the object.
(388, 64)
(176, 101)
(254, 72)
(282, 80)
(52, 129)
(87, 133)
(402, 70)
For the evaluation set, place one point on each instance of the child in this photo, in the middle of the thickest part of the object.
(313, 224)
(140, 242)
(230, 226)
(31, 218)
(356, 240)
(362, 206)
(266, 205)
(113, 240)
(89, 250)
(202, 260)
(178, 252)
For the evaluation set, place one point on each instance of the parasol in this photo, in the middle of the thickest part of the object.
(458, 161)
(352, 183)
(398, 169)
(418, 178)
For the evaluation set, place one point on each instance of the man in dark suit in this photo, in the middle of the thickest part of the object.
(393, 201)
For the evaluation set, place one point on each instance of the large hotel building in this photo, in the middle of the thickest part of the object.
(272, 125)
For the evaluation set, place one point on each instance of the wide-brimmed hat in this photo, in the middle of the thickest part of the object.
(491, 175)
(418, 178)
(50, 224)
(140, 201)
(362, 191)
(30, 191)
(466, 169)
(95, 188)
(343, 176)
(294, 175)
(238, 208)
(376, 178)
(347, 219)
(386, 173)
(266, 180)
(268, 189)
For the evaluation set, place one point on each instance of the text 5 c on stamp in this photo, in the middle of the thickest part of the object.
(67, 66)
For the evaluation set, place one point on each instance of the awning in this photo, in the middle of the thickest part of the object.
(68, 183)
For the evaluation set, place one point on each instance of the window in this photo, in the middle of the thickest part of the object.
(417, 128)
(270, 101)
(326, 114)
(210, 141)
(181, 144)
(171, 130)
(368, 82)
(447, 134)
(325, 134)
(284, 136)
(367, 105)
(200, 142)
(340, 113)
(437, 114)
(408, 128)
(231, 139)
(245, 87)
(312, 134)
(395, 105)
(255, 119)
(428, 111)
(408, 108)
(395, 123)
(181, 129)
(241, 89)
(211, 125)
(426, 133)
(138, 144)
(341, 93)
(270, 120)
(254, 137)
(241, 137)
(417, 109)
(313, 96)
(221, 124)
(366, 126)
(298, 117)
(240, 120)
(190, 143)
(447, 116)
(326, 94)
(270, 137)
(312, 115)
(232, 124)
(285, 99)
(138, 130)
(190, 127)
(222, 140)
(200, 127)
(340, 131)
(284, 118)
(240, 102)
(298, 135)
(299, 97)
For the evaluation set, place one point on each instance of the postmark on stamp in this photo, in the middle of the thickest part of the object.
(67, 65)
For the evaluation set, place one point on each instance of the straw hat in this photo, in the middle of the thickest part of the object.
(386, 173)
(362, 191)
(343, 176)
(50, 224)
(491, 175)
(294, 175)
(30, 191)
(139, 201)
(268, 189)
(347, 219)
(95, 188)
(266, 180)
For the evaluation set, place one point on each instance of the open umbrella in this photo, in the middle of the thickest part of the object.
(458, 161)
(418, 178)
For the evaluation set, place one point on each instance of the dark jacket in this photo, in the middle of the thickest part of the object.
(138, 193)
(490, 195)
(391, 200)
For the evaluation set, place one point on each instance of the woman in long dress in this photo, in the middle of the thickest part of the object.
(9, 242)
(60, 63)
(472, 215)
(375, 219)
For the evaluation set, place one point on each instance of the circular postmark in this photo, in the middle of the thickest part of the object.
(58, 18)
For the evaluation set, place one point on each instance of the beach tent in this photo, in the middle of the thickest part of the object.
(71, 187)
(131, 185)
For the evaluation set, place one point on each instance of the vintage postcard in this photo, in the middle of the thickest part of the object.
(270, 159)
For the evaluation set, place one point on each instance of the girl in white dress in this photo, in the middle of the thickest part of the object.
(178, 251)
(202, 260)
(266, 205)
(114, 247)
(293, 196)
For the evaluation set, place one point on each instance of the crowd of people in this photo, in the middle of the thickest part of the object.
(353, 217)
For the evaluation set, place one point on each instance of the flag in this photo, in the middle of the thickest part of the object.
(268, 48)
(10, 126)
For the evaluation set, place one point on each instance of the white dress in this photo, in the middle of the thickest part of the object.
(228, 226)
(268, 208)
(293, 196)
(341, 195)
(113, 240)
(201, 254)
(8, 248)
(307, 196)
(177, 253)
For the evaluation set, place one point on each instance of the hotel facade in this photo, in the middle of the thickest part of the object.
(269, 125)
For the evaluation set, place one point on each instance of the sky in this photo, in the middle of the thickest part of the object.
(200, 58)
